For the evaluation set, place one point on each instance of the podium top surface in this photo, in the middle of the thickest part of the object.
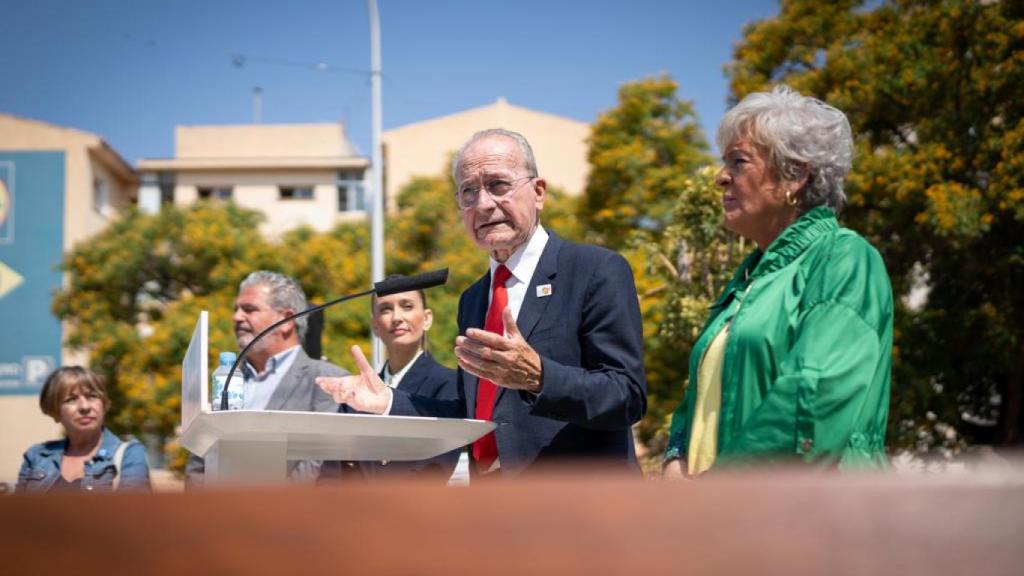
(335, 436)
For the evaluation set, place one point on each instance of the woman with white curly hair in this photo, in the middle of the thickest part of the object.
(794, 362)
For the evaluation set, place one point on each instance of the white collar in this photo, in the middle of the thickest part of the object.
(524, 260)
(393, 380)
(276, 361)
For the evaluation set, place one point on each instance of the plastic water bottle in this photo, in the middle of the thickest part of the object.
(236, 396)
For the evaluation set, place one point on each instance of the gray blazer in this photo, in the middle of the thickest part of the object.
(297, 392)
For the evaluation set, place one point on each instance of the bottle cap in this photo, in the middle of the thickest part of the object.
(227, 358)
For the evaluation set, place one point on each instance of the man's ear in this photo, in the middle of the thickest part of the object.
(292, 325)
(540, 192)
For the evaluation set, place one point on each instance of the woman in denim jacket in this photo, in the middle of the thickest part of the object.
(86, 460)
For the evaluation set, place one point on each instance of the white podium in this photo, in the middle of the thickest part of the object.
(255, 445)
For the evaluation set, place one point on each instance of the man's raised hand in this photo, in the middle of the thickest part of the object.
(364, 391)
(505, 359)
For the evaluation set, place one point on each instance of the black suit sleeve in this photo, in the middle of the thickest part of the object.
(608, 391)
(405, 404)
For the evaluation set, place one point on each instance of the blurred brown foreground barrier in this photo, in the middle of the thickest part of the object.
(757, 523)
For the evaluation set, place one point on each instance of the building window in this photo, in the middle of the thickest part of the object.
(351, 191)
(100, 196)
(222, 193)
(166, 181)
(295, 192)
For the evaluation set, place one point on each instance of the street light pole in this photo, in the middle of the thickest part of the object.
(377, 163)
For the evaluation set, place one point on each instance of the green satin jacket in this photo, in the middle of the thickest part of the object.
(807, 363)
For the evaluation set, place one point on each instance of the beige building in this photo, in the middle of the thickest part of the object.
(425, 148)
(98, 182)
(41, 167)
(295, 174)
(311, 174)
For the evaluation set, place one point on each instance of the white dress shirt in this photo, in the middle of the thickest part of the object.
(521, 264)
(393, 380)
(259, 387)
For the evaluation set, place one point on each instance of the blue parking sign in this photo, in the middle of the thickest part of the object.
(31, 246)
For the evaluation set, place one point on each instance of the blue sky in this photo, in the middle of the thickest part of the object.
(131, 70)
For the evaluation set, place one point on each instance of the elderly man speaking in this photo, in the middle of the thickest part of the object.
(551, 347)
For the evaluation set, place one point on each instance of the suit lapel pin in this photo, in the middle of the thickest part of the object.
(543, 290)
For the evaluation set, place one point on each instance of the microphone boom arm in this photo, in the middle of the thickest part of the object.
(383, 288)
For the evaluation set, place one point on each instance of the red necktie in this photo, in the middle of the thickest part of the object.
(485, 450)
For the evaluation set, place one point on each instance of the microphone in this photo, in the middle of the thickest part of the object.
(387, 287)
(383, 288)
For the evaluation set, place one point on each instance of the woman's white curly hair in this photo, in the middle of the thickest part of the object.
(803, 136)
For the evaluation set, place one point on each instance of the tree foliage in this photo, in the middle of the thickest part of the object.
(131, 290)
(935, 93)
(645, 199)
(640, 153)
(679, 274)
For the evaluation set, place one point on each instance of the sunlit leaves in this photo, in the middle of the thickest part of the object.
(934, 92)
(639, 153)
(640, 199)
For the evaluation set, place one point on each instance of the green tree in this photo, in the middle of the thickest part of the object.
(640, 152)
(640, 195)
(935, 93)
(327, 266)
(679, 274)
(134, 292)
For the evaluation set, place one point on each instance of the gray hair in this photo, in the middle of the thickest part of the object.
(524, 148)
(803, 136)
(285, 294)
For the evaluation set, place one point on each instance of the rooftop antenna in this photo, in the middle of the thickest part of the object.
(257, 105)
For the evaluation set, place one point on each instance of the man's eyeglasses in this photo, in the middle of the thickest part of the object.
(468, 195)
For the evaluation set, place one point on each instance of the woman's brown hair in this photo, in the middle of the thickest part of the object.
(68, 378)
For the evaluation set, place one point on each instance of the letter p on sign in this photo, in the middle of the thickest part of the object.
(37, 368)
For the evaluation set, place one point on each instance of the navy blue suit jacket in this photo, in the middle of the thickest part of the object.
(425, 378)
(588, 333)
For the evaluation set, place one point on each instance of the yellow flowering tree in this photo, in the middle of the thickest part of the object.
(679, 273)
(639, 153)
(934, 92)
(133, 295)
(642, 189)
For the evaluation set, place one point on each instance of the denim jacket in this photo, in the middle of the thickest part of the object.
(40, 467)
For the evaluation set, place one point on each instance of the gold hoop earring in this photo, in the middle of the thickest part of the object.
(791, 198)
